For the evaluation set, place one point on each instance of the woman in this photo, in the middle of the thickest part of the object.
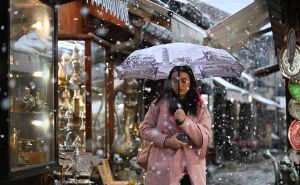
(171, 161)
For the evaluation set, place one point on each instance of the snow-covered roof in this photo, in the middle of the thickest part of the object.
(158, 31)
(180, 26)
(236, 93)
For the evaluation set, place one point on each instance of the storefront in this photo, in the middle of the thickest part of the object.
(87, 111)
(28, 102)
(62, 102)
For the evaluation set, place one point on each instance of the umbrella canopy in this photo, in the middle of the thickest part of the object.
(156, 62)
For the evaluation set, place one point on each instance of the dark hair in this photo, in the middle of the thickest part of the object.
(191, 102)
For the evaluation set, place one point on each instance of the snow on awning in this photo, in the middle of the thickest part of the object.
(236, 93)
(150, 7)
(247, 77)
(158, 31)
(282, 101)
(182, 29)
(239, 28)
(264, 100)
(233, 92)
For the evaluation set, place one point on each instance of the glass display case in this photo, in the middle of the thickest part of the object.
(99, 127)
(27, 131)
(72, 79)
(74, 76)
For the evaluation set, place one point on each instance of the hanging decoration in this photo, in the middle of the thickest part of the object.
(117, 8)
(290, 57)
(292, 60)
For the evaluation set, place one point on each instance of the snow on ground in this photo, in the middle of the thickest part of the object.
(259, 172)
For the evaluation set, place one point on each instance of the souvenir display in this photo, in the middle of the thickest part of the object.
(294, 108)
(290, 68)
(27, 102)
(72, 104)
(29, 128)
(294, 134)
(61, 75)
(40, 105)
(295, 156)
(294, 89)
(14, 147)
(127, 146)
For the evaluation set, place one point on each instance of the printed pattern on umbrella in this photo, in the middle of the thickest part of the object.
(156, 62)
(212, 64)
(138, 66)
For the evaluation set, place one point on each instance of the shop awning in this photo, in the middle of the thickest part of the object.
(264, 100)
(182, 29)
(239, 28)
(158, 31)
(150, 7)
(230, 34)
(232, 92)
(248, 78)
(235, 93)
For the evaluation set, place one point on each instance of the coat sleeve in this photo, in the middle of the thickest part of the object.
(199, 132)
(148, 130)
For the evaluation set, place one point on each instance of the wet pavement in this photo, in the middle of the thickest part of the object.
(257, 172)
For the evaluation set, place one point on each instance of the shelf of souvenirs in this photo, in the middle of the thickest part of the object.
(28, 103)
(27, 150)
(72, 130)
(71, 141)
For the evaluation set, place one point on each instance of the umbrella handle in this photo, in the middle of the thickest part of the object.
(178, 93)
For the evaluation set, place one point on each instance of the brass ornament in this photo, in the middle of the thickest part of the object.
(290, 68)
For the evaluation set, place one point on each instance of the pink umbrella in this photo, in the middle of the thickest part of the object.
(156, 62)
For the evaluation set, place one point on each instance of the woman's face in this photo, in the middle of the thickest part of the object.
(184, 83)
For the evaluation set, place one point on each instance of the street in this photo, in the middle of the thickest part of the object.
(258, 172)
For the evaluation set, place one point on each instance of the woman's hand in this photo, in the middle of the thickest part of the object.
(180, 115)
(173, 142)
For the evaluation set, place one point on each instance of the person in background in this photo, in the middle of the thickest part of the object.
(179, 126)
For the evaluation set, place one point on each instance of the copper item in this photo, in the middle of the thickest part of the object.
(294, 134)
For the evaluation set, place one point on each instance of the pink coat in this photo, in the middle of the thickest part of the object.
(165, 165)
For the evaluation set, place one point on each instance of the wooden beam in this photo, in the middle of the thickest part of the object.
(88, 103)
(110, 103)
(139, 12)
(264, 71)
(129, 44)
(152, 7)
(70, 19)
(88, 36)
(99, 40)
(148, 17)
